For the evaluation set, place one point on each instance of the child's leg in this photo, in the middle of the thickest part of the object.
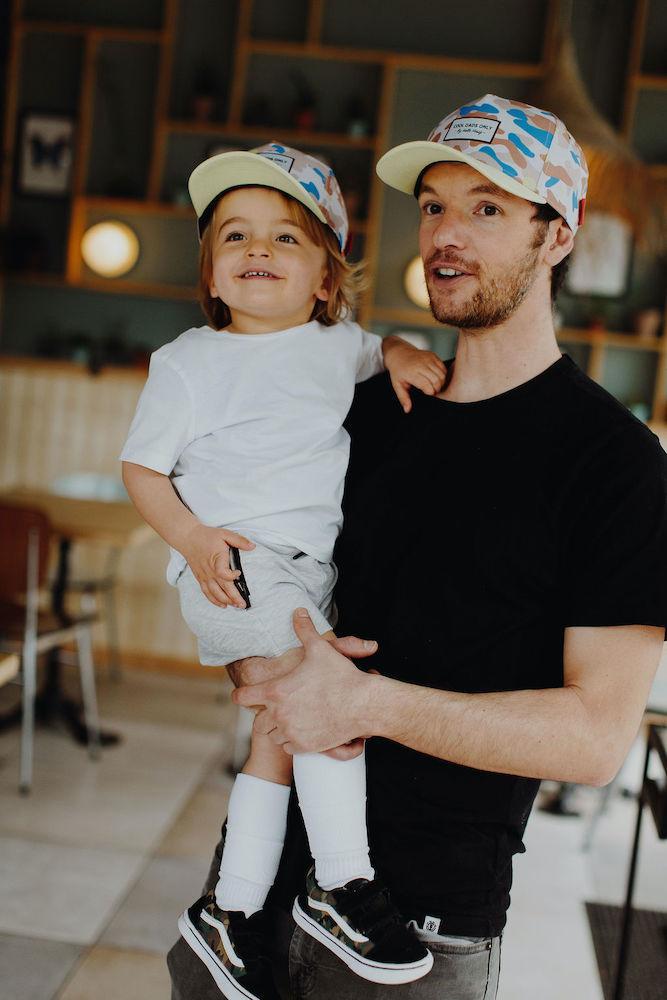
(256, 823)
(332, 798)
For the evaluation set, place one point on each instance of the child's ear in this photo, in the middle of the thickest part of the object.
(323, 293)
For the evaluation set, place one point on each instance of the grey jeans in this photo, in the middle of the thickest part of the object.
(464, 968)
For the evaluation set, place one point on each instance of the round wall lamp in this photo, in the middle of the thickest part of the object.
(110, 249)
(414, 283)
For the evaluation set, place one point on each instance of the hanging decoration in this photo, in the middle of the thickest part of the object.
(619, 183)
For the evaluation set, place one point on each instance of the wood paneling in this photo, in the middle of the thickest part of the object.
(56, 419)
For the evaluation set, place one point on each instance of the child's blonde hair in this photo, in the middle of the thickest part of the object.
(345, 281)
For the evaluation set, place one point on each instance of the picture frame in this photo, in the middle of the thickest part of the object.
(602, 257)
(45, 154)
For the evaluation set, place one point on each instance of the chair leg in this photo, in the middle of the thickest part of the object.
(29, 658)
(112, 633)
(87, 674)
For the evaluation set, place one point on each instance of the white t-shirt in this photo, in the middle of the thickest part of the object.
(249, 428)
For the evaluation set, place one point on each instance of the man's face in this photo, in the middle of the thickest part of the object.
(487, 236)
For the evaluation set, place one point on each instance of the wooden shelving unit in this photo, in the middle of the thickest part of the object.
(168, 128)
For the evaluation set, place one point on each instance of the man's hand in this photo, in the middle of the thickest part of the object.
(319, 704)
(206, 551)
(257, 669)
(410, 366)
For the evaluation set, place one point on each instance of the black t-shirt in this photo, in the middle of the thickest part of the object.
(475, 533)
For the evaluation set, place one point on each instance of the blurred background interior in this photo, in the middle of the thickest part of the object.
(106, 109)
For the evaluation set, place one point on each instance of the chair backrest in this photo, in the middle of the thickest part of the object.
(17, 526)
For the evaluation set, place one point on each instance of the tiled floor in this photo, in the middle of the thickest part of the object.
(97, 863)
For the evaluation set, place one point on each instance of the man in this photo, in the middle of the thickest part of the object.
(505, 544)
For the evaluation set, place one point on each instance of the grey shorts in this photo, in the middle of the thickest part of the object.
(279, 579)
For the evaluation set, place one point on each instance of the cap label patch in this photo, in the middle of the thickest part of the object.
(432, 924)
(472, 129)
(286, 162)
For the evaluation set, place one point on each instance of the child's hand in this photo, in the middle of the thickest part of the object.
(409, 366)
(207, 554)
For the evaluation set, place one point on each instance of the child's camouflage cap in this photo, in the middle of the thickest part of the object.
(297, 174)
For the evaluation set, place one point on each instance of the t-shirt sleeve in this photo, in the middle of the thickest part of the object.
(369, 360)
(163, 423)
(614, 569)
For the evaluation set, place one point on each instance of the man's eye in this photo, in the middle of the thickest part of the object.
(490, 210)
(430, 208)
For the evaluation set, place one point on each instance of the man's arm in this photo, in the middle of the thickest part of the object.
(580, 732)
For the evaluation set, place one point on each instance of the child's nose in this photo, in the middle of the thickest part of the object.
(258, 248)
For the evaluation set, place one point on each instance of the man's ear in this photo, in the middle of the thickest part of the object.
(559, 242)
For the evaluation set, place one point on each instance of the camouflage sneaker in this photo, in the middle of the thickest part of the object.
(232, 947)
(361, 925)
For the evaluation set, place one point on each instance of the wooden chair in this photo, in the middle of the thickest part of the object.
(99, 590)
(25, 536)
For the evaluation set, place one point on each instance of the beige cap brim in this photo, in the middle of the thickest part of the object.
(236, 169)
(401, 166)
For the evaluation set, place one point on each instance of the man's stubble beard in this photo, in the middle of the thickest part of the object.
(496, 298)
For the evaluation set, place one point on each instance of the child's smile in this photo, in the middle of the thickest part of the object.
(259, 274)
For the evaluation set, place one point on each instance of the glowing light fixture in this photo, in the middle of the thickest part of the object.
(110, 249)
(414, 283)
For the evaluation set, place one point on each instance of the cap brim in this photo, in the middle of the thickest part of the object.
(237, 169)
(401, 166)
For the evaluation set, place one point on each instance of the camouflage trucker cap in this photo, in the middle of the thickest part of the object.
(522, 149)
(273, 165)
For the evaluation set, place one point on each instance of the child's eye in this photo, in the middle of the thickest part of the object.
(286, 238)
(232, 237)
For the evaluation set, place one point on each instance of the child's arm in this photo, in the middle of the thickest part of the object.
(206, 549)
(408, 365)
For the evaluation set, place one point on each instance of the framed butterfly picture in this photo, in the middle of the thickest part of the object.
(45, 154)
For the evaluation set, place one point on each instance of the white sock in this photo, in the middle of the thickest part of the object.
(256, 823)
(332, 797)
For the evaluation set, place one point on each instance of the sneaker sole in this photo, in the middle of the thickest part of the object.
(225, 982)
(365, 968)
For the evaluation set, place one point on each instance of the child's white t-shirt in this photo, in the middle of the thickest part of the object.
(249, 428)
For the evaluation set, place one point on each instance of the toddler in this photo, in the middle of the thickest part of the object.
(237, 456)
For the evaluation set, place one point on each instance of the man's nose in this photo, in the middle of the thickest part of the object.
(449, 232)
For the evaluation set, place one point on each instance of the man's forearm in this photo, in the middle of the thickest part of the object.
(543, 734)
(580, 732)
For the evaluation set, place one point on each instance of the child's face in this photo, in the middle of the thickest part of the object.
(265, 268)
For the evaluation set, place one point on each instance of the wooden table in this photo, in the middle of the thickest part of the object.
(115, 525)
(99, 522)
